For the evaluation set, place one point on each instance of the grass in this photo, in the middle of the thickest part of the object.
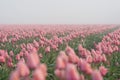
(114, 68)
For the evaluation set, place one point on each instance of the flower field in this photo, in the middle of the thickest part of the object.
(59, 52)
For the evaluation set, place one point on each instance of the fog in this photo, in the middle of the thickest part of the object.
(59, 11)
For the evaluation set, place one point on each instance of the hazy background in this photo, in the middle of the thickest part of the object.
(59, 11)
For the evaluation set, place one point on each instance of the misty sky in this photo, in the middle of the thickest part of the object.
(59, 11)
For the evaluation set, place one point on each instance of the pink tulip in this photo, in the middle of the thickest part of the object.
(60, 63)
(40, 55)
(86, 67)
(60, 74)
(14, 76)
(2, 59)
(47, 49)
(96, 75)
(89, 59)
(32, 60)
(71, 55)
(104, 58)
(40, 73)
(22, 69)
(103, 70)
(43, 68)
(11, 53)
(71, 73)
(10, 64)
(64, 57)
(18, 57)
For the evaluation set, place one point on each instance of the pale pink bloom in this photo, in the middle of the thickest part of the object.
(86, 67)
(2, 59)
(43, 68)
(32, 60)
(14, 76)
(96, 75)
(60, 74)
(21, 54)
(47, 49)
(11, 53)
(69, 50)
(40, 55)
(116, 48)
(110, 49)
(18, 57)
(71, 55)
(9, 64)
(4, 53)
(93, 52)
(39, 74)
(71, 72)
(36, 56)
(54, 47)
(79, 62)
(33, 50)
(98, 52)
(104, 58)
(23, 45)
(64, 57)
(73, 58)
(80, 48)
(117, 42)
(103, 70)
(89, 59)
(41, 43)
(9, 59)
(22, 59)
(60, 63)
(22, 69)
(60, 41)
(35, 44)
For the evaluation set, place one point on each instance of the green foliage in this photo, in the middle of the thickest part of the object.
(114, 68)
